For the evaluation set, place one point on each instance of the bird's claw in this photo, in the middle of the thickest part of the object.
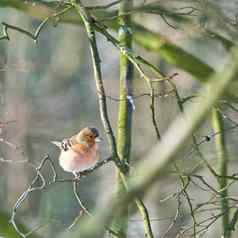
(76, 176)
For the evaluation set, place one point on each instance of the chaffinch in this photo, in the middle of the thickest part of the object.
(79, 152)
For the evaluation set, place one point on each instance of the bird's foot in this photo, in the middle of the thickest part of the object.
(76, 176)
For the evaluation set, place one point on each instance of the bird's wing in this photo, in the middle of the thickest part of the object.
(63, 145)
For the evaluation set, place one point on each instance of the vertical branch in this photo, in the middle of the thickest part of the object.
(126, 75)
(120, 221)
(222, 155)
(125, 122)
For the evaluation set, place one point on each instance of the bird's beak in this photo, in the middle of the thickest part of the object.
(57, 143)
(98, 139)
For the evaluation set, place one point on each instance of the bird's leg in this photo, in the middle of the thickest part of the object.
(76, 176)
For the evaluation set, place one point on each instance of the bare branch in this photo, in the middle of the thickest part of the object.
(34, 36)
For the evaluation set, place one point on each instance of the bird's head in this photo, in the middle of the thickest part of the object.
(88, 135)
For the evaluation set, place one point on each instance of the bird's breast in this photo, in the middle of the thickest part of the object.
(75, 159)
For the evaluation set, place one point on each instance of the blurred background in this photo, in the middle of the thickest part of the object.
(47, 92)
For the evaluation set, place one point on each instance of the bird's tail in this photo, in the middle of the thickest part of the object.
(57, 143)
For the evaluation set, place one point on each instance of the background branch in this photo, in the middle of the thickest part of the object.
(166, 152)
(222, 155)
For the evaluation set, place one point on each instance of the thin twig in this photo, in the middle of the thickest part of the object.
(152, 107)
(179, 203)
(85, 210)
(27, 192)
(44, 185)
(186, 195)
(34, 36)
(135, 97)
(152, 8)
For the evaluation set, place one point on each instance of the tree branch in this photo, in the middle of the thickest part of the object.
(166, 152)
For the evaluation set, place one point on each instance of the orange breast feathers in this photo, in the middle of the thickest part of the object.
(87, 153)
(81, 148)
(79, 158)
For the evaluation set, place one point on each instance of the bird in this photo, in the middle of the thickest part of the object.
(79, 152)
